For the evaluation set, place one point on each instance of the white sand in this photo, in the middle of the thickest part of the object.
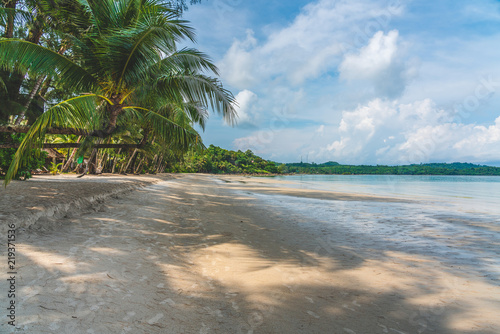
(199, 255)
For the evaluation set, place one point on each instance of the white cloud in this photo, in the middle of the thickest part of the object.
(273, 144)
(358, 127)
(391, 132)
(377, 56)
(383, 131)
(246, 103)
(312, 45)
(381, 64)
(238, 67)
(481, 138)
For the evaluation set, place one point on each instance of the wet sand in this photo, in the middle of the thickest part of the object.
(232, 254)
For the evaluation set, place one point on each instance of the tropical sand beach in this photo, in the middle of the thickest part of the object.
(234, 254)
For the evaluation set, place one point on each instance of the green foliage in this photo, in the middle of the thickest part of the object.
(455, 168)
(120, 64)
(216, 160)
(6, 155)
(54, 168)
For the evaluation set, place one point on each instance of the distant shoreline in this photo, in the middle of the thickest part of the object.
(455, 168)
(377, 174)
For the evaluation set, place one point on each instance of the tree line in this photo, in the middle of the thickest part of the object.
(217, 160)
(455, 168)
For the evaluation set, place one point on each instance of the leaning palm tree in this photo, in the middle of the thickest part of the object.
(124, 69)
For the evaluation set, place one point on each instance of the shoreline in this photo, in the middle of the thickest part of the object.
(263, 187)
(48, 198)
(193, 253)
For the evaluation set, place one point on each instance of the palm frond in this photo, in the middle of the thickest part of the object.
(43, 61)
(169, 131)
(76, 112)
(199, 89)
(186, 59)
(131, 115)
(197, 114)
(3, 86)
(152, 36)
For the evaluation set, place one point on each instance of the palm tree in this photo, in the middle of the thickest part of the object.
(125, 69)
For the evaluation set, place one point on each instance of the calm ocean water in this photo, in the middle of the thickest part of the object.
(452, 219)
(470, 193)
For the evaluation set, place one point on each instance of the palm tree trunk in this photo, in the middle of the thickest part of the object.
(33, 92)
(139, 166)
(108, 162)
(45, 87)
(72, 156)
(9, 31)
(159, 164)
(153, 164)
(17, 78)
(125, 165)
(132, 159)
(157, 167)
(93, 161)
(101, 161)
(115, 160)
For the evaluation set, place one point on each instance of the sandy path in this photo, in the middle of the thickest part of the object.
(194, 255)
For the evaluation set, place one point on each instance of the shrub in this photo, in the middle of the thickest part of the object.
(6, 155)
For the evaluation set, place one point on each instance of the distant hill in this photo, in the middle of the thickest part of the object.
(456, 168)
(454, 165)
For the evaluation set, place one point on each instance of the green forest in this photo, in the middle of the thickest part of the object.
(105, 83)
(455, 168)
(220, 161)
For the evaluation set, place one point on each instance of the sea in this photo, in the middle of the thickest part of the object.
(479, 194)
(454, 220)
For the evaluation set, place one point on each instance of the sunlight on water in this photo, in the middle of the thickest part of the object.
(469, 193)
(452, 219)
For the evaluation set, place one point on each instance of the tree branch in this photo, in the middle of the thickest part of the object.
(52, 131)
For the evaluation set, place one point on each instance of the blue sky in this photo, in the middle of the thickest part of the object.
(358, 82)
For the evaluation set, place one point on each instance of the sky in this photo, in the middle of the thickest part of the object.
(358, 81)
